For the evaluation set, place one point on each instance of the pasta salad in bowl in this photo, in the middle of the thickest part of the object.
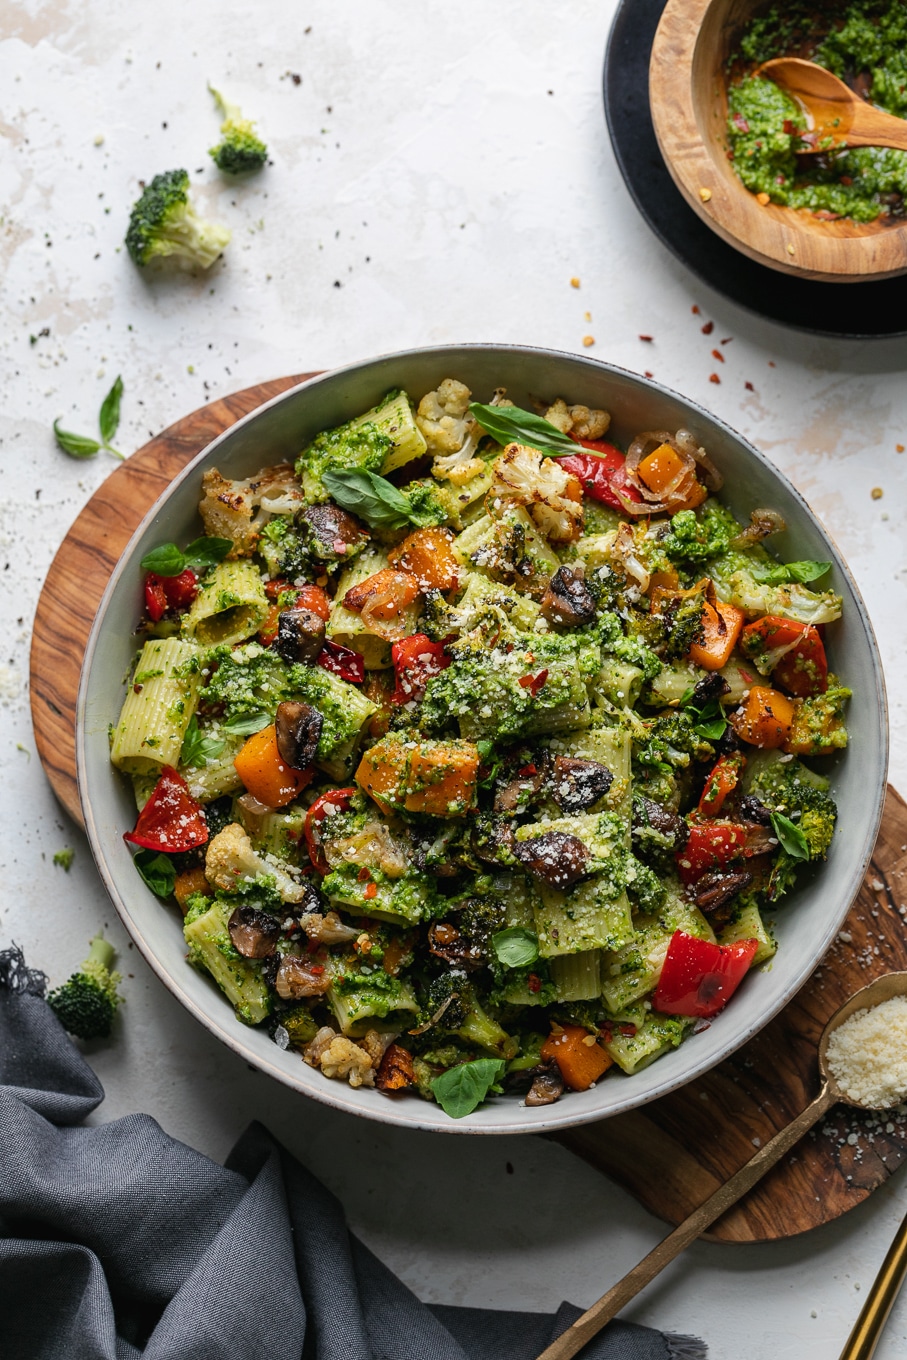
(482, 761)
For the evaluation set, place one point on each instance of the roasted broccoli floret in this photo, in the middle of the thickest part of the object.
(789, 788)
(163, 222)
(464, 1014)
(682, 618)
(479, 920)
(87, 1003)
(647, 890)
(671, 739)
(818, 727)
(240, 148)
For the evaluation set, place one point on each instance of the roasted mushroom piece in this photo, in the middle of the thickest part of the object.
(298, 728)
(300, 635)
(331, 531)
(254, 933)
(518, 792)
(577, 784)
(659, 817)
(568, 602)
(555, 858)
(446, 942)
(547, 1085)
(752, 809)
(716, 890)
(492, 840)
(711, 686)
(298, 977)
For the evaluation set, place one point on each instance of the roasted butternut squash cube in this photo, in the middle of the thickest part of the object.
(437, 777)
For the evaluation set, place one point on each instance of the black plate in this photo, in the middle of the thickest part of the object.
(859, 310)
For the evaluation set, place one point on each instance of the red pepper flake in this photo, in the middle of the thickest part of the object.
(713, 377)
(648, 373)
(371, 891)
(363, 875)
(627, 1029)
(716, 354)
(527, 769)
(845, 179)
(648, 338)
(137, 689)
(727, 340)
(534, 982)
(772, 364)
(749, 387)
(695, 309)
(317, 969)
(708, 328)
(534, 683)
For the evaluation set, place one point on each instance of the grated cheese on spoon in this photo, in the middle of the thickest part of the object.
(867, 1055)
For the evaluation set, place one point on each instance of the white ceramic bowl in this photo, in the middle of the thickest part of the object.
(806, 924)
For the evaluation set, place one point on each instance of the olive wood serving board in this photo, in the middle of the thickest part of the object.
(671, 1154)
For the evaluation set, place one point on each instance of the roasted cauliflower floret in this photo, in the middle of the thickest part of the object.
(553, 497)
(450, 432)
(578, 420)
(340, 1057)
(237, 509)
(230, 858)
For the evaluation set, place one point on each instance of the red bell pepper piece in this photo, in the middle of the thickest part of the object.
(171, 820)
(721, 782)
(342, 661)
(600, 471)
(155, 597)
(801, 666)
(416, 659)
(338, 799)
(699, 977)
(181, 590)
(710, 845)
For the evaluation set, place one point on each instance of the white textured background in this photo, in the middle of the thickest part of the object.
(439, 175)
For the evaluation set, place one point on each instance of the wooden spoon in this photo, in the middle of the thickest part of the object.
(610, 1304)
(834, 111)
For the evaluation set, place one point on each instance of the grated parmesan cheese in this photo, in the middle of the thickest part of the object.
(867, 1055)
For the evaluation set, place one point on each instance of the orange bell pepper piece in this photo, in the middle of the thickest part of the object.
(578, 1054)
(390, 592)
(427, 555)
(722, 624)
(764, 718)
(721, 782)
(663, 466)
(265, 775)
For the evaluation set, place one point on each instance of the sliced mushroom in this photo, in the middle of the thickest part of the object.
(547, 1085)
(577, 784)
(332, 531)
(715, 890)
(446, 942)
(555, 858)
(648, 813)
(300, 635)
(753, 810)
(711, 686)
(519, 792)
(568, 602)
(254, 933)
(298, 733)
(298, 977)
(492, 840)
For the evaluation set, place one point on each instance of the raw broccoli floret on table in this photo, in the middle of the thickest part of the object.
(240, 148)
(164, 223)
(87, 1003)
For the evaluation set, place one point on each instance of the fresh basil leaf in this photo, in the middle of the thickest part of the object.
(245, 724)
(511, 424)
(460, 1089)
(157, 871)
(792, 840)
(515, 947)
(76, 445)
(710, 720)
(207, 552)
(372, 498)
(804, 572)
(167, 560)
(198, 749)
(109, 415)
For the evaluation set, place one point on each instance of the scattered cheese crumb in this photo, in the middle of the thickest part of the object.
(790, 248)
(574, 282)
(763, 198)
(867, 1055)
(705, 195)
(588, 340)
(877, 493)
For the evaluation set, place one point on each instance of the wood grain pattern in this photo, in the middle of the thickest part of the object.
(673, 1153)
(688, 98)
(82, 567)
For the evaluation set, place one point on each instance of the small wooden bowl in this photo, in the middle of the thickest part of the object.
(688, 97)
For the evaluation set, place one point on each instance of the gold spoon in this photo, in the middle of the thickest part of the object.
(834, 111)
(610, 1304)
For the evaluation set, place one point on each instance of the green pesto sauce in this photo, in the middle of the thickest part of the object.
(866, 41)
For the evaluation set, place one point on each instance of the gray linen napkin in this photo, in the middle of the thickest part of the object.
(117, 1241)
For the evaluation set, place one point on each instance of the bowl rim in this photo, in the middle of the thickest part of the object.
(220, 1021)
(774, 235)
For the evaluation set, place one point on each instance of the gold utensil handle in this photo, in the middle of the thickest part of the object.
(867, 1329)
(610, 1304)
